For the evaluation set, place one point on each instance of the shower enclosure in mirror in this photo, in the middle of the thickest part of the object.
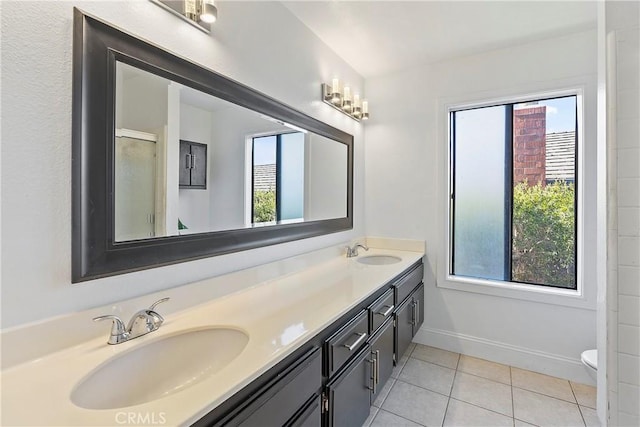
(173, 162)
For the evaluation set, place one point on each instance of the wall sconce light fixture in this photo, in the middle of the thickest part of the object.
(199, 13)
(341, 99)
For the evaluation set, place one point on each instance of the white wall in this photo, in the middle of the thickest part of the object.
(406, 177)
(326, 190)
(252, 42)
(623, 296)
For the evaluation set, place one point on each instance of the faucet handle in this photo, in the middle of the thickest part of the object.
(160, 301)
(155, 318)
(119, 331)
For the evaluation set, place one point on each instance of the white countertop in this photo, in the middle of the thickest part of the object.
(279, 316)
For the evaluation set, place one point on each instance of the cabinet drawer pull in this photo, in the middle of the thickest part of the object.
(361, 337)
(387, 311)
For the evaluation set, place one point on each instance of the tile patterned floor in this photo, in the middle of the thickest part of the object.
(434, 387)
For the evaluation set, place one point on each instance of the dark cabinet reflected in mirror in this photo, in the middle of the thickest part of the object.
(179, 162)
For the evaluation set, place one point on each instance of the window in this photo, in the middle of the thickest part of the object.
(277, 177)
(513, 185)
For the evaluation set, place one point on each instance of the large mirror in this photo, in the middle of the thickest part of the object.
(173, 162)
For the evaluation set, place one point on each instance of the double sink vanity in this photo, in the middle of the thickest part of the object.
(305, 341)
(311, 347)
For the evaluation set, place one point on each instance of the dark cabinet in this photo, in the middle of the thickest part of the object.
(418, 304)
(404, 328)
(409, 318)
(382, 344)
(309, 416)
(381, 310)
(407, 283)
(286, 399)
(346, 342)
(350, 392)
(193, 165)
(334, 386)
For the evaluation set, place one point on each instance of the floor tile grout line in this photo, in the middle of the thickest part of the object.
(576, 399)
(423, 388)
(480, 376)
(582, 415)
(481, 407)
(547, 395)
(446, 408)
(528, 422)
(398, 415)
(433, 363)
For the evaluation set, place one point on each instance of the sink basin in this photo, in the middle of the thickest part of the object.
(379, 259)
(159, 368)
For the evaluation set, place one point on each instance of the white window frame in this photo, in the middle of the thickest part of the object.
(529, 292)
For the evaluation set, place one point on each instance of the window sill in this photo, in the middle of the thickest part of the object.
(532, 293)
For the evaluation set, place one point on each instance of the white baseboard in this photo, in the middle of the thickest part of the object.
(520, 357)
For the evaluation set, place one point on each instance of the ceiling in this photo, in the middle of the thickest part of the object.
(380, 37)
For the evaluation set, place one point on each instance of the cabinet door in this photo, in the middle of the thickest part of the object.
(350, 392)
(418, 310)
(198, 166)
(382, 356)
(404, 328)
(185, 164)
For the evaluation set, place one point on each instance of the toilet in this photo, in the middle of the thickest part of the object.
(590, 360)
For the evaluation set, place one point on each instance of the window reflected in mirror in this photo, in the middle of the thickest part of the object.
(187, 162)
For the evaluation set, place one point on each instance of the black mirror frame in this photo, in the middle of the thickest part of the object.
(96, 47)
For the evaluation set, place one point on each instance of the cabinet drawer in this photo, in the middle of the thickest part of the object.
(309, 416)
(406, 284)
(285, 396)
(380, 310)
(346, 342)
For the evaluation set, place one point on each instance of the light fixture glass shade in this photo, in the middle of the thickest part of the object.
(209, 12)
(343, 99)
(336, 95)
(346, 99)
(356, 106)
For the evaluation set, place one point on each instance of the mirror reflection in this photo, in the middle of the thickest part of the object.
(187, 162)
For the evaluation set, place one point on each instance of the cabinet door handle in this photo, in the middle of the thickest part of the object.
(374, 370)
(387, 311)
(414, 319)
(361, 337)
(193, 161)
(416, 312)
(188, 161)
(377, 371)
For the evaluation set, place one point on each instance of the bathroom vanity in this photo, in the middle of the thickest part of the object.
(333, 378)
(312, 345)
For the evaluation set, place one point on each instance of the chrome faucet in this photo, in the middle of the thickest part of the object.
(141, 323)
(353, 251)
